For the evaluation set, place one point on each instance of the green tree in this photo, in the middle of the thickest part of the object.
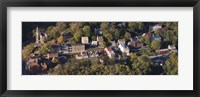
(104, 26)
(54, 60)
(61, 26)
(117, 34)
(78, 35)
(133, 57)
(147, 39)
(44, 49)
(155, 44)
(27, 50)
(86, 31)
(74, 27)
(94, 38)
(143, 66)
(127, 36)
(53, 32)
(171, 65)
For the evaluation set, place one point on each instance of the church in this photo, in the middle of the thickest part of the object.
(40, 38)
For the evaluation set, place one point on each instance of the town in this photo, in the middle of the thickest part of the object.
(107, 48)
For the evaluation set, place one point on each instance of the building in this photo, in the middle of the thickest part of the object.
(109, 52)
(66, 48)
(171, 47)
(52, 55)
(100, 41)
(162, 51)
(82, 55)
(98, 31)
(156, 27)
(156, 37)
(94, 43)
(136, 43)
(113, 43)
(32, 66)
(121, 41)
(147, 34)
(85, 40)
(124, 49)
(78, 48)
(40, 38)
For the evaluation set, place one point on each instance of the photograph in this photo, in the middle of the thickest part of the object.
(100, 48)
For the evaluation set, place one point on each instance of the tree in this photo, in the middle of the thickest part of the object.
(117, 34)
(93, 38)
(44, 49)
(147, 39)
(78, 35)
(104, 26)
(75, 27)
(27, 50)
(107, 35)
(133, 57)
(143, 66)
(52, 32)
(127, 36)
(155, 44)
(171, 65)
(54, 60)
(86, 31)
(60, 39)
(61, 26)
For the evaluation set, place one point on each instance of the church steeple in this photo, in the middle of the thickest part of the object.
(37, 36)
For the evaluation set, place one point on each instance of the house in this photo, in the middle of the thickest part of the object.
(136, 43)
(98, 31)
(78, 48)
(32, 66)
(156, 27)
(113, 43)
(52, 55)
(82, 55)
(109, 52)
(94, 43)
(85, 40)
(162, 51)
(124, 49)
(171, 47)
(93, 54)
(121, 41)
(147, 34)
(66, 48)
(100, 41)
(43, 68)
(156, 37)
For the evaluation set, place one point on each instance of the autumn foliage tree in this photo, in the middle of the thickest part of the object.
(60, 39)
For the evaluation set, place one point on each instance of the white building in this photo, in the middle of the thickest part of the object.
(124, 49)
(94, 43)
(109, 52)
(85, 40)
(171, 47)
(156, 27)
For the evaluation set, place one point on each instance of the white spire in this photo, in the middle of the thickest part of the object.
(37, 29)
(37, 35)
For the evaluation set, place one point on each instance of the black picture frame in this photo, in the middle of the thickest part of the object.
(100, 3)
